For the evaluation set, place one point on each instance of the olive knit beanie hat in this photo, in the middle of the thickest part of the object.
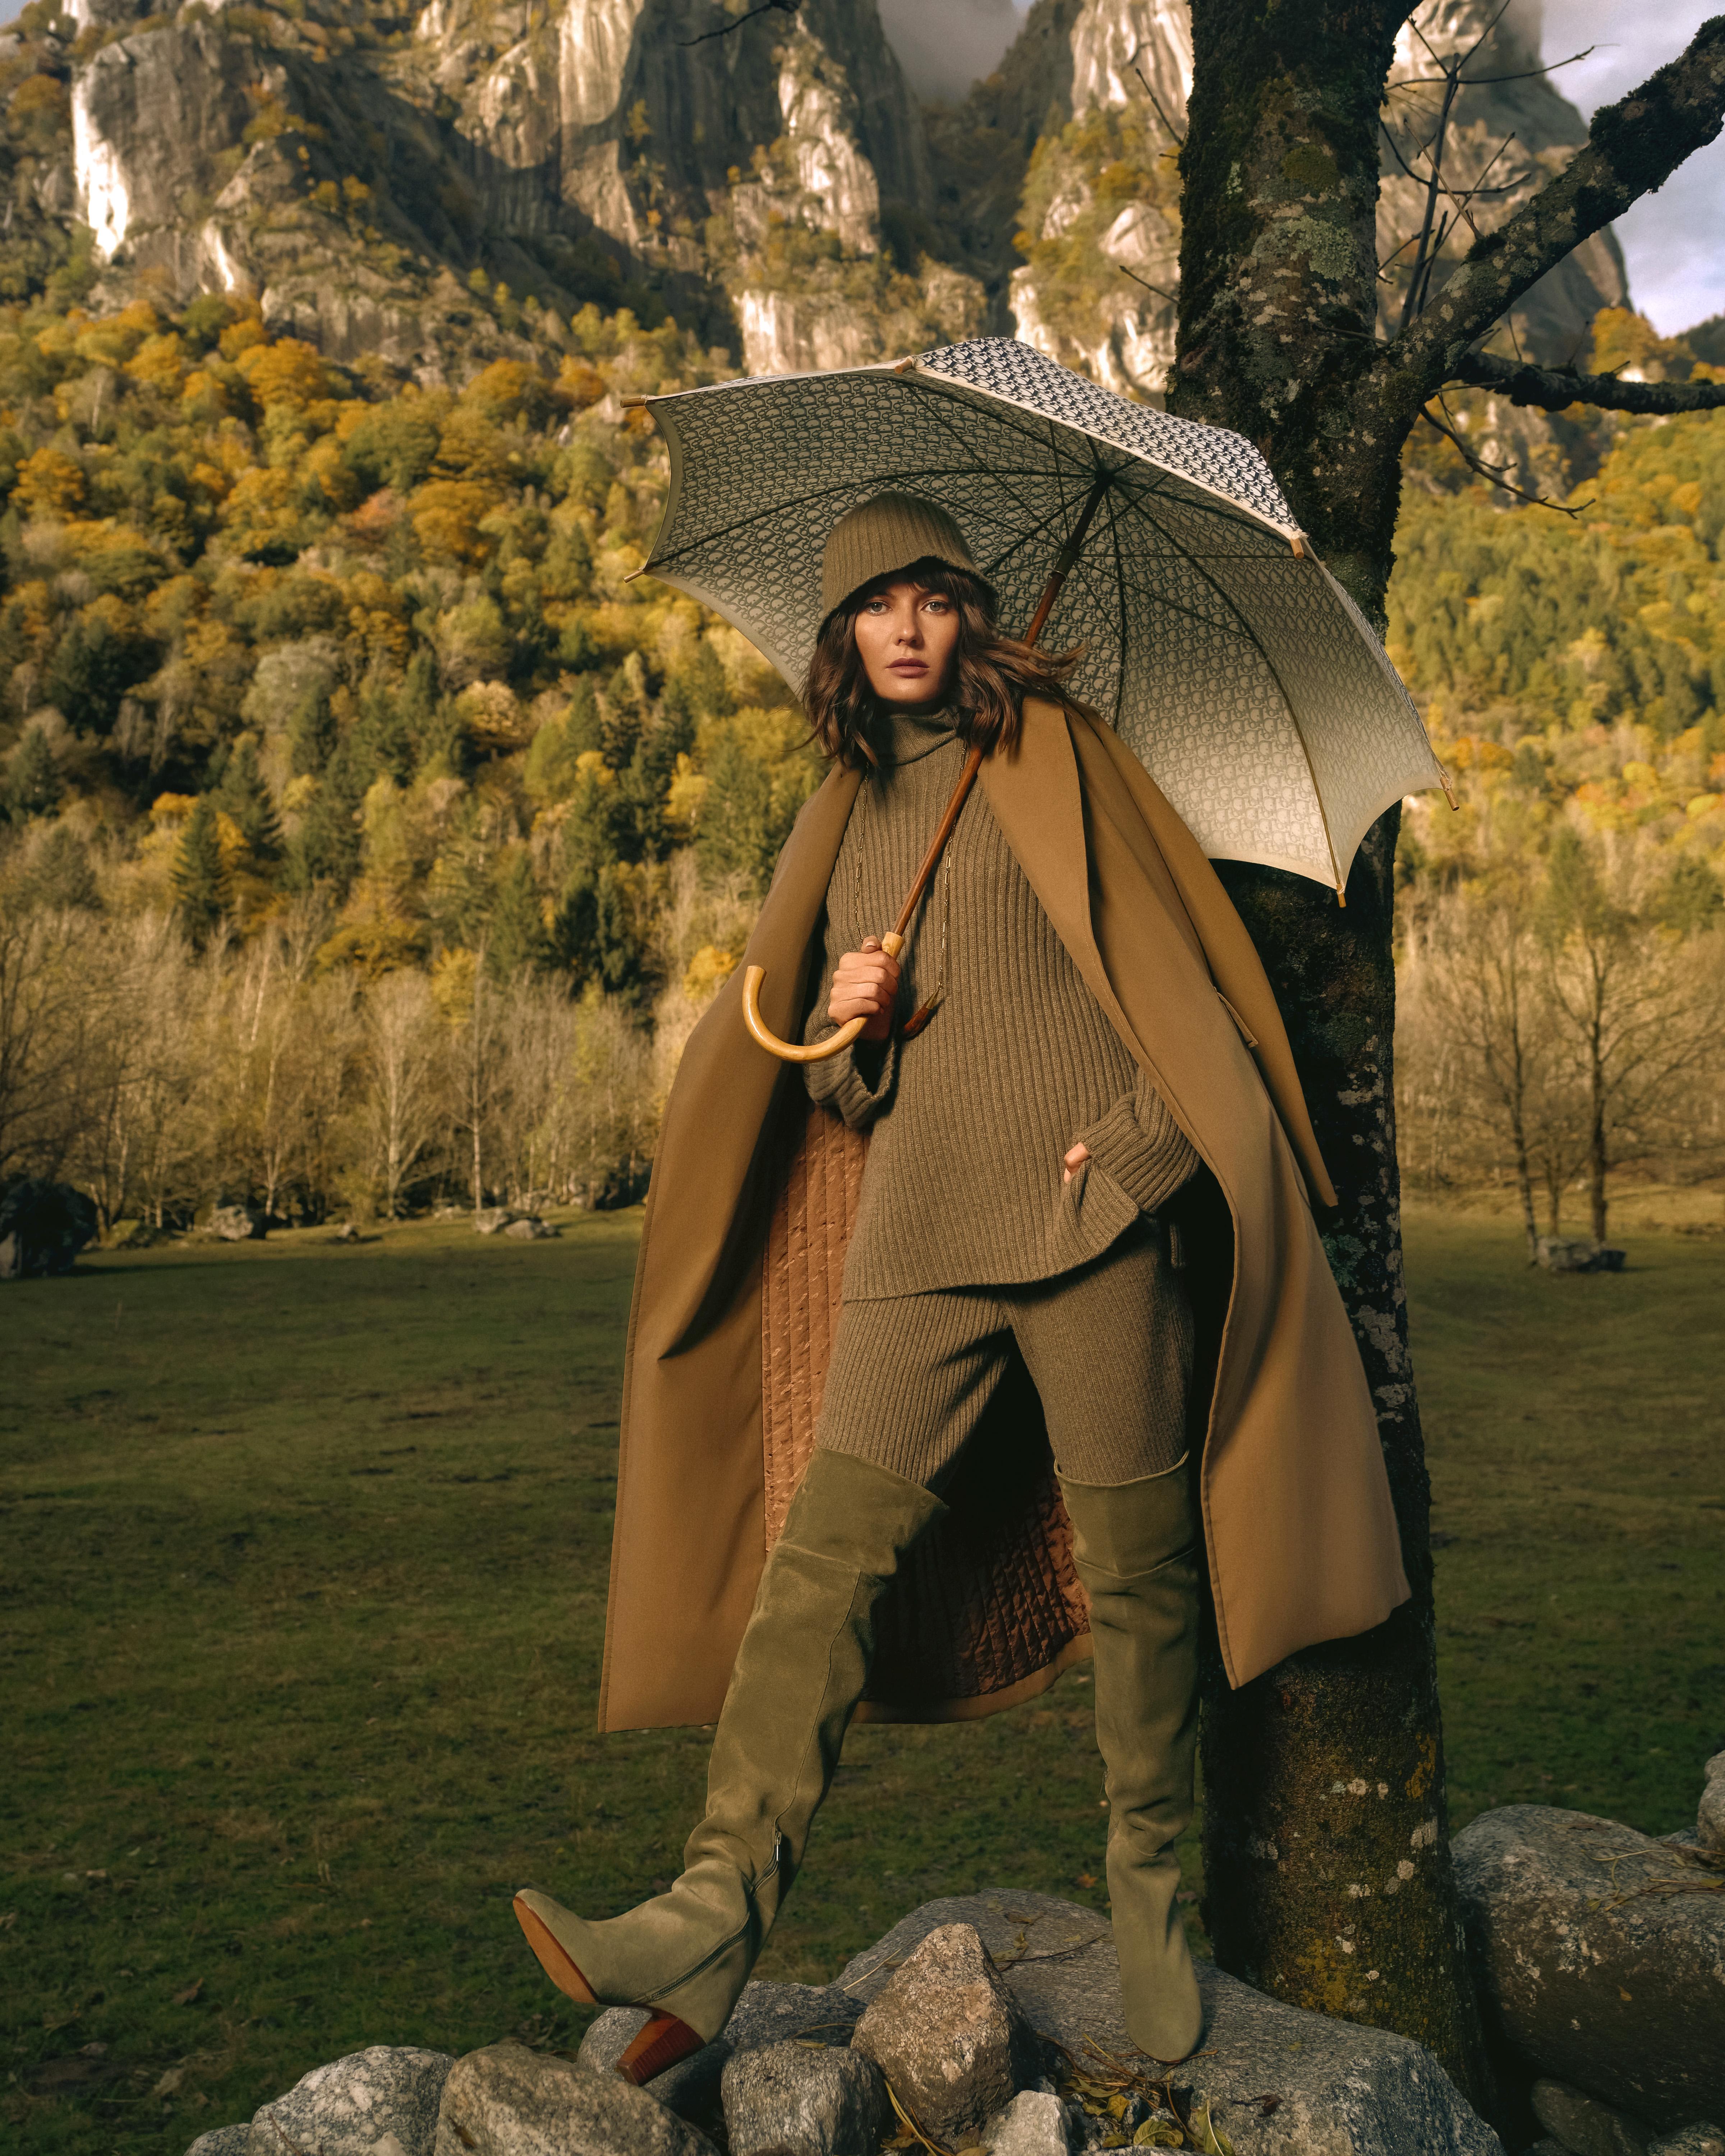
(885, 534)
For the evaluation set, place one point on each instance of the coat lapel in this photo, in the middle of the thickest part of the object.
(1038, 801)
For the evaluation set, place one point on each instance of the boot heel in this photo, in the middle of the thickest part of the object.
(660, 2044)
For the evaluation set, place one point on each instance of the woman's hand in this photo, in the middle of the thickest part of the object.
(865, 985)
(1074, 1159)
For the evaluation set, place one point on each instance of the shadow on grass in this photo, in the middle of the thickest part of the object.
(306, 1549)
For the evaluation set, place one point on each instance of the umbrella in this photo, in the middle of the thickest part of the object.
(1220, 650)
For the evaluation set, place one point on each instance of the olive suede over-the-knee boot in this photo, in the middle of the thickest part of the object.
(1135, 1546)
(800, 1672)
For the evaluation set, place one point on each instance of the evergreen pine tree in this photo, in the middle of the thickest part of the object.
(200, 879)
(326, 847)
(516, 941)
(245, 794)
(35, 787)
(384, 725)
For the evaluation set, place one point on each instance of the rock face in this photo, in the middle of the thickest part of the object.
(508, 2101)
(1081, 60)
(789, 2100)
(594, 143)
(1539, 119)
(223, 2141)
(43, 1228)
(1698, 2140)
(1023, 1968)
(1341, 2089)
(236, 1223)
(950, 2036)
(1584, 2125)
(382, 2102)
(1600, 1955)
(767, 2014)
(778, 188)
(1035, 2123)
(1710, 1813)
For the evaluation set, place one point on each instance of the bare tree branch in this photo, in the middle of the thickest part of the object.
(1493, 473)
(765, 8)
(1633, 148)
(1555, 388)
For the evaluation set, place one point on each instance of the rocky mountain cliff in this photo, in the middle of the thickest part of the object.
(429, 187)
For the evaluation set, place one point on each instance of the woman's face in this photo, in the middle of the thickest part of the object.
(907, 638)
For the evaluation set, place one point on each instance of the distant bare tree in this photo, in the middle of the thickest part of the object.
(47, 1020)
(1640, 1003)
(401, 1041)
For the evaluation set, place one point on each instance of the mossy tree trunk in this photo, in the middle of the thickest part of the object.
(1326, 1843)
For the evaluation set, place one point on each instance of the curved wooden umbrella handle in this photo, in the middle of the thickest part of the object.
(786, 1052)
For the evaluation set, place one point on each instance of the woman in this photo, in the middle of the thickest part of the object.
(1050, 1066)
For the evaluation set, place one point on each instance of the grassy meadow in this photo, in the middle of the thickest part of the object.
(303, 1579)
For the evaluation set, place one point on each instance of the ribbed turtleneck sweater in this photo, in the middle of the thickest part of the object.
(971, 1120)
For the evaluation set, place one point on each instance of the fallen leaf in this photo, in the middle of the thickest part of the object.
(1211, 2138)
(170, 2082)
(1084, 1879)
(186, 1997)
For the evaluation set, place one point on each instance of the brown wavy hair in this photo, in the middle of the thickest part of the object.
(991, 676)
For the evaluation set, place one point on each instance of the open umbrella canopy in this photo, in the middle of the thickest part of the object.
(1231, 661)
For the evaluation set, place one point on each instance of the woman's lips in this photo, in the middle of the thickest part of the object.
(909, 666)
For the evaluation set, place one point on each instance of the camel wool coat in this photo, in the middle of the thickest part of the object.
(752, 1198)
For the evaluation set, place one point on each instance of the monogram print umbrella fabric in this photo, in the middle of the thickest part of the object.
(1242, 675)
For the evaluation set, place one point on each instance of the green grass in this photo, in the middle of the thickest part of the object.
(303, 1559)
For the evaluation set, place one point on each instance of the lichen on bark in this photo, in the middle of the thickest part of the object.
(1327, 1856)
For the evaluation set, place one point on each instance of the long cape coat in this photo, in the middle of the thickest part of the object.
(752, 1199)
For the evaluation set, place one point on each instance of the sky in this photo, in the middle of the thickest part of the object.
(1673, 241)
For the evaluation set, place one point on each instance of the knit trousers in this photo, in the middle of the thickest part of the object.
(1108, 1347)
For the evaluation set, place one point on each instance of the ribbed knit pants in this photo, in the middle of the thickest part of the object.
(1108, 1347)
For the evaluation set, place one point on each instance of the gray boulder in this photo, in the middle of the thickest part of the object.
(236, 1223)
(766, 2014)
(223, 2141)
(491, 1219)
(950, 2036)
(382, 2102)
(1600, 1954)
(1341, 2089)
(1584, 2126)
(1710, 1813)
(1577, 1254)
(1035, 2123)
(43, 1228)
(801, 2098)
(530, 1228)
(508, 2101)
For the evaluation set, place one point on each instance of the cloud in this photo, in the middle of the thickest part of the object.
(1677, 275)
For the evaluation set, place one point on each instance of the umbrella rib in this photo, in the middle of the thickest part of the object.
(1287, 701)
(717, 533)
(969, 390)
(1120, 581)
